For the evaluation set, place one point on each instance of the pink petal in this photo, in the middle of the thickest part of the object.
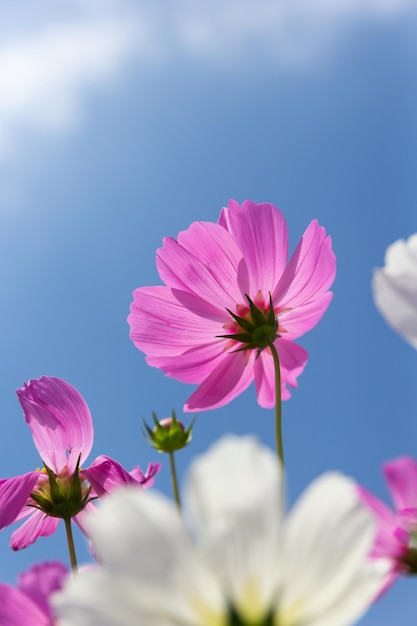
(194, 365)
(145, 480)
(105, 474)
(261, 232)
(231, 376)
(218, 252)
(401, 476)
(265, 380)
(304, 317)
(40, 581)
(38, 525)
(407, 522)
(14, 493)
(17, 609)
(310, 271)
(386, 545)
(80, 519)
(162, 325)
(292, 361)
(27, 510)
(60, 421)
(205, 262)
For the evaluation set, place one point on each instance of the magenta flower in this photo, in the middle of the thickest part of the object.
(62, 431)
(28, 603)
(229, 291)
(397, 530)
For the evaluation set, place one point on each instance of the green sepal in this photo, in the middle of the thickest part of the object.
(257, 315)
(54, 488)
(272, 319)
(75, 491)
(259, 333)
(44, 504)
(242, 321)
(242, 337)
(62, 496)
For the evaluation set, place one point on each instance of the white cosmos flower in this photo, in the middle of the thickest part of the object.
(237, 561)
(395, 288)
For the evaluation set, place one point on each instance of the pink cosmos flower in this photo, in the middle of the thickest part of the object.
(62, 431)
(28, 603)
(397, 530)
(225, 285)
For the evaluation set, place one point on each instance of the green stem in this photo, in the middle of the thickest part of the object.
(70, 540)
(174, 481)
(278, 420)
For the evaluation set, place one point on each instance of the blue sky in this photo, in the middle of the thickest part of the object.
(121, 123)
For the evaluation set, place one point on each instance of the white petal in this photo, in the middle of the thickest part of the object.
(329, 581)
(234, 503)
(98, 597)
(395, 288)
(233, 476)
(149, 563)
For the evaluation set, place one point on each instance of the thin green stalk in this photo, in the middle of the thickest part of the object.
(278, 420)
(70, 540)
(174, 481)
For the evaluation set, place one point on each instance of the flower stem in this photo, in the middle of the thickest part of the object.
(174, 481)
(278, 420)
(70, 540)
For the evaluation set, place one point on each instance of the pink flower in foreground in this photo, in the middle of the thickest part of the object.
(62, 431)
(397, 530)
(221, 280)
(28, 604)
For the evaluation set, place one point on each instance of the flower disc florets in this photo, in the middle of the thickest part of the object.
(61, 495)
(409, 559)
(257, 329)
(235, 620)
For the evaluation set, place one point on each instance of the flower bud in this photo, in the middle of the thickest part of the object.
(169, 434)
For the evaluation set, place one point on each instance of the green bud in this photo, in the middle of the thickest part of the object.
(169, 434)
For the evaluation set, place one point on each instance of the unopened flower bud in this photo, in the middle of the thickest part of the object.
(169, 434)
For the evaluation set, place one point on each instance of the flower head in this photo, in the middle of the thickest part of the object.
(28, 604)
(229, 293)
(62, 431)
(240, 562)
(397, 530)
(395, 288)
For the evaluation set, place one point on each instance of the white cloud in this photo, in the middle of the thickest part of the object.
(291, 33)
(43, 75)
(52, 53)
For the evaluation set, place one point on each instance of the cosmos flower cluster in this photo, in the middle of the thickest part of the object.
(228, 553)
